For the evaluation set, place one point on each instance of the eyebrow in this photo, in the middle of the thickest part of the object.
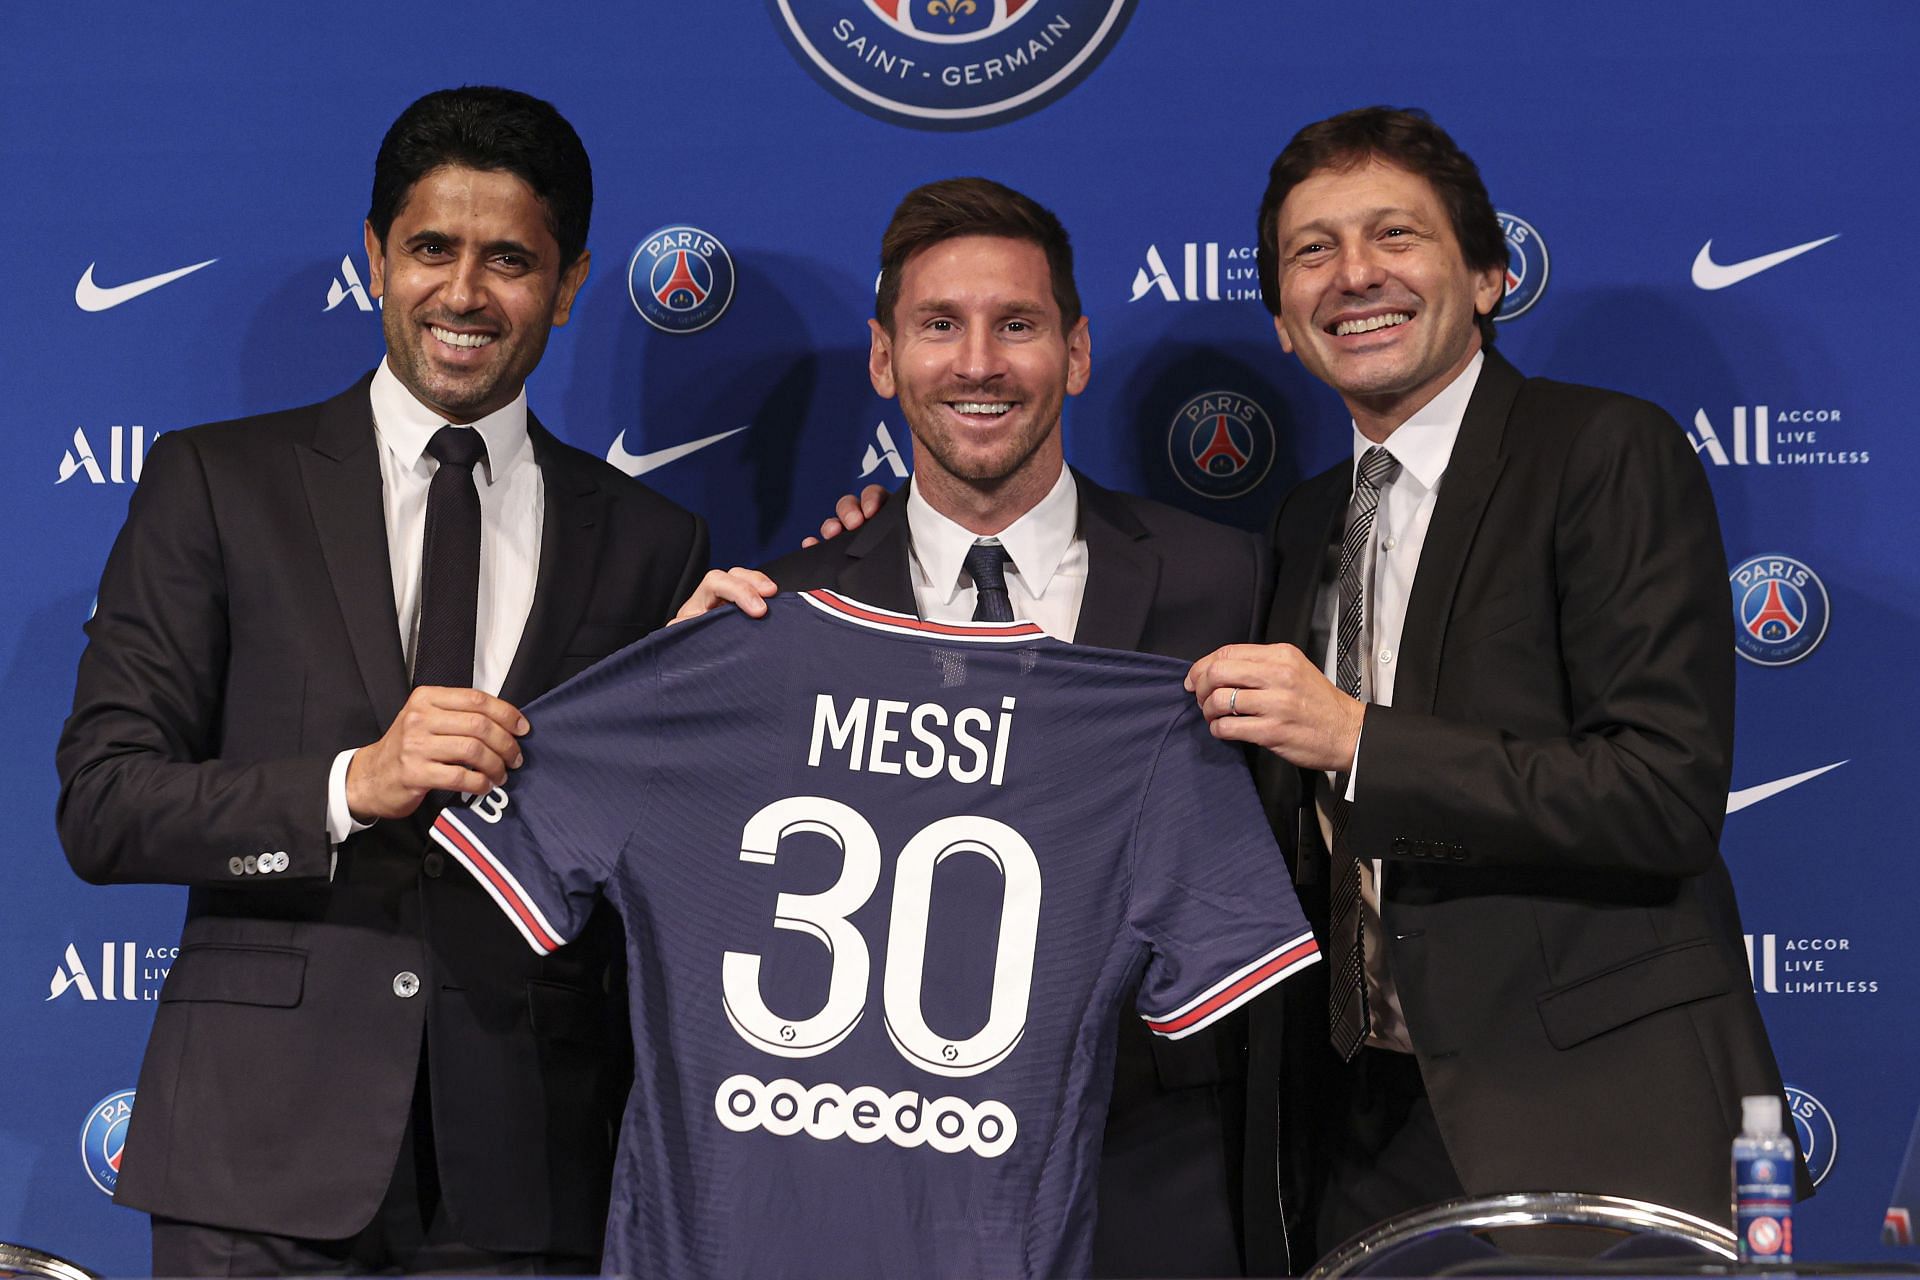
(1023, 307)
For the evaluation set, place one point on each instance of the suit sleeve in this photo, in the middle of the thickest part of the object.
(699, 559)
(1210, 894)
(144, 797)
(1637, 780)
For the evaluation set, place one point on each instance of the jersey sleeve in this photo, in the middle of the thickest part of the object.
(544, 844)
(1211, 895)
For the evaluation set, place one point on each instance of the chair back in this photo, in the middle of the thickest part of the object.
(1455, 1237)
(24, 1260)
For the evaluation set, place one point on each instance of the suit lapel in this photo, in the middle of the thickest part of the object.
(1122, 573)
(341, 472)
(1471, 473)
(1303, 532)
(569, 555)
(1306, 530)
(876, 569)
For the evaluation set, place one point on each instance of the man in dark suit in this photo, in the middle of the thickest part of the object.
(356, 1065)
(980, 336)
(1497, 709)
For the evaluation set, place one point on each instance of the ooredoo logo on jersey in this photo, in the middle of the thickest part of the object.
(950, 63)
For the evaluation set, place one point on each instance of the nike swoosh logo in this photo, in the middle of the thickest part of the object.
(1741, 799)
(638, 464)
(89, 296)
(1708, 274)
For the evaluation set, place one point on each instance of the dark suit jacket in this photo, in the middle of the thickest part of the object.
(1158, 581)
(246, 634)
(1547, 792)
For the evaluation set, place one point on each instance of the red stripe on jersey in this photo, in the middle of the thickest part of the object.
(1230, 995)
(482, 864)
(841, 604)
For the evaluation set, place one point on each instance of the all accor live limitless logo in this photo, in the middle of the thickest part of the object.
(1756, 436)
(127, 971)
(126, 451)
(1198, 271)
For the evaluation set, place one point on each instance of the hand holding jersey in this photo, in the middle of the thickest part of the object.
(459, 740)
(1274, 696)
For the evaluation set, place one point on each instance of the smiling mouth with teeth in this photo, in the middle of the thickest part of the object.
(992, 408)
(453, 339)
(1348, 327)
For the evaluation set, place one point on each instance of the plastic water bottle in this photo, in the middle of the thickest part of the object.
(1763, 1167)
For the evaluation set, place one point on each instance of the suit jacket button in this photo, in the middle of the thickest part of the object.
(236, 867)
(406, 984)
(434, 863)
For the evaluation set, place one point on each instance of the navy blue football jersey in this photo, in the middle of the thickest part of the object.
(886, 883)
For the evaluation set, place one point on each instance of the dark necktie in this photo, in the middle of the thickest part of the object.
(1347, 1012)
(450, 562)
(986, 564)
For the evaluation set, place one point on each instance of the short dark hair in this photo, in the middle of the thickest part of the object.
(1406, 138)
(972, 207)
(482, 127)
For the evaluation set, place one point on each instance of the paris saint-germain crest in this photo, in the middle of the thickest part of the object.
(953, 64)
(1526, 267)
(1220, 444)
(1819, 1136)
(1780, 610)
(680, 279)
(104, 1136)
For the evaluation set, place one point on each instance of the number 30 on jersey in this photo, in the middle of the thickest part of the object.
(824, 915)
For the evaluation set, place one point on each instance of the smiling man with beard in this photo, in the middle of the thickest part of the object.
(315, 626)
(978, 333)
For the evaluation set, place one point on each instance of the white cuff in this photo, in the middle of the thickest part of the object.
(340, 820)
(1353, 770)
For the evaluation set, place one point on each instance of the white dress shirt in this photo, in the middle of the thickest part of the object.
(1423, 445)
(512, 506)
(1046, 569)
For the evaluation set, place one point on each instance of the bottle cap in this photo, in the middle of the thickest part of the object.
(1760, 1115)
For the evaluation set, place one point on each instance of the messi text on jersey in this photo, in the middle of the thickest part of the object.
(967, 745)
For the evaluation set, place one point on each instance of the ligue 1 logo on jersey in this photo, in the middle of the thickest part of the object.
(680, 279)
(1221, 444)
(953, 64)
(1819, 1136)
(1780, 610)
(104, 1136)
(1526, 267)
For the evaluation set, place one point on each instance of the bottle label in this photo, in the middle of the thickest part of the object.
(1763, 1208)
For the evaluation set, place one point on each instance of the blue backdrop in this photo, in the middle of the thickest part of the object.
(1621, 141)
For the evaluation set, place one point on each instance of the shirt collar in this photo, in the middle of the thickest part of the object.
(1423, 444)
(1036, 543)
(404, 425)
